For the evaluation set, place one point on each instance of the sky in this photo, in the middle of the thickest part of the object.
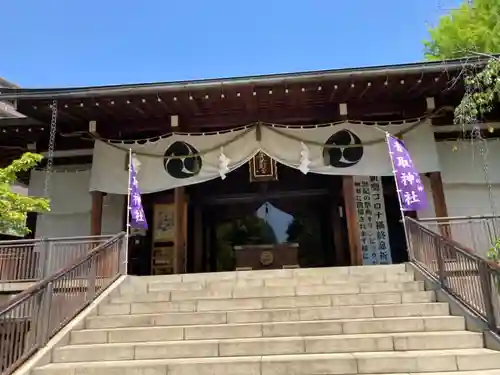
(278, 220)
(58, 43)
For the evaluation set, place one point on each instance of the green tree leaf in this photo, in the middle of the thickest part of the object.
(471, 29)
(14, 207)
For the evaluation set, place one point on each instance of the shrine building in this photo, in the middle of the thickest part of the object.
(275, 171)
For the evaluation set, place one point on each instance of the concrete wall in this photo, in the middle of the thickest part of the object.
(71, 203)
(471, 183)
(465, 186)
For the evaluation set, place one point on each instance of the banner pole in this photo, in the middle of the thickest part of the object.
(405, 229)
(127, 236)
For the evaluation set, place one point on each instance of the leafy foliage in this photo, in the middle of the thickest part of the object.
(473, 27)
(13, 206)
(494, 252)
(482, 91)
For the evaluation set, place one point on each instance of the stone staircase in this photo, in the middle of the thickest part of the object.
(353, 320)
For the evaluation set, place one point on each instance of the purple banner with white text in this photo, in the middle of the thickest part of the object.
(138, 218)
(408, 183)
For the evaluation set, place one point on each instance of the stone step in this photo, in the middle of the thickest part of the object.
(303, 364)
(269, 346)
(286, 280)
(279, 291)
(273, 315)
(371, 272)
(273, 329)
(159, 302)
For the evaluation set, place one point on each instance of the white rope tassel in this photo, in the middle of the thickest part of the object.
(304, 159)
(223, 164)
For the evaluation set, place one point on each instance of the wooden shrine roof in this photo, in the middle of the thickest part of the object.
(384, 71)
(206, 102)
(144, 110)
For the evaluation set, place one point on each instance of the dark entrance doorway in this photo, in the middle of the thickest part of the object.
(307, 210)
(299, 220)
(296, 209)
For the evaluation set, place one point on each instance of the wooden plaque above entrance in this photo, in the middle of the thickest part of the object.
(263, 168)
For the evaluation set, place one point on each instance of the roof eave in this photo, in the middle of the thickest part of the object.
(137, 89)
(8, 84)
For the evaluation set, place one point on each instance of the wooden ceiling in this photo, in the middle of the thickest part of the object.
(221, 108)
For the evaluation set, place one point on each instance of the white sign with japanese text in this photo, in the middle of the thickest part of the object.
(372, 219)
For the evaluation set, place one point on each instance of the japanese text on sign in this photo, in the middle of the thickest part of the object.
(372, 220)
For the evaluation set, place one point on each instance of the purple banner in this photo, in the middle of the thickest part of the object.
(408, 183)
(138, 218)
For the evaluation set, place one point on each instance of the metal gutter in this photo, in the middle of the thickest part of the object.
(8, 111)
(8, 84)
(136, 89)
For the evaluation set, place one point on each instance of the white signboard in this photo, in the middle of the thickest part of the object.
(372, 219)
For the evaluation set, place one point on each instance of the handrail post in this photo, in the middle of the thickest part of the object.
(408, 226)
(495, 297)
(91, 282)
(123, 255)
(44, 258)
(440, 261)
(43, 318)
(36, 314)
(486, 289)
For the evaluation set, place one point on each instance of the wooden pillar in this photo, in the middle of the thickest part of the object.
(440, 208)
(438, 194)
(179, 237)
(198, 238)
(31, 218)
(352, 220)
(340, 259)
(96, 213)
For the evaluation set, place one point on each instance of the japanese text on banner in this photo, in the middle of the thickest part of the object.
(138, 218)
(408, 183)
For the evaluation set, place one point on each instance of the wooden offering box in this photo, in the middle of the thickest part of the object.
(261, 257)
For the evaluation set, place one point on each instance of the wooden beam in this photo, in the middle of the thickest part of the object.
(352, 221)
(179, 237)
(21, 122)
(224, 120)
(440, 207)
(340, 258)
(31, 224)
(438, 196)
(198, 238)
(96, 213)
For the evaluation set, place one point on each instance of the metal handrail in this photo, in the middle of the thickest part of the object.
(458, 218)
(478, 233)
(34, 316)
(42, 283)
(35, 240)
(468, 276)
(34, 259)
